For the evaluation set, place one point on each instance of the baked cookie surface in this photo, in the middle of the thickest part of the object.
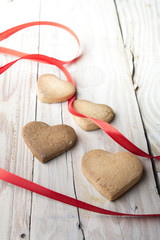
(111, 174)
(51, 89)
(46, 142)
(98, 111)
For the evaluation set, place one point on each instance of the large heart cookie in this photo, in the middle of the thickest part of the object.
(51, 89)
(47, 142)
(98, 111)
(111, 174)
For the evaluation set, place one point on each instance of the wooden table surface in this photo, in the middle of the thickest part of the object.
(120, 67)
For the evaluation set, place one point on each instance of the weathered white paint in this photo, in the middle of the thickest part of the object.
(104, 75)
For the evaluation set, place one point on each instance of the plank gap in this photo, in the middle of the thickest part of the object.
(135, 92)
(80, 227)
(37, 75)
(118, 18)
(31, 206)
(79, 224)
(133, 72)
(149, 149)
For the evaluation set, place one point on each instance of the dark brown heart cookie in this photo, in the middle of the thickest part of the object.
(46, 142)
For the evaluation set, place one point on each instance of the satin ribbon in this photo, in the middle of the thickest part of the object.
(106, 127)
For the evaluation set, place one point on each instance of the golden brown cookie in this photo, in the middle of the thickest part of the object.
(51, 89)
(46, 142)
(98, 111)
(111, 174)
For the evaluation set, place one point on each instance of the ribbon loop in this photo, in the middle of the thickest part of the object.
(107, 128)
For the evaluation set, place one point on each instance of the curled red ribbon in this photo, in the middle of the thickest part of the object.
(106, 127)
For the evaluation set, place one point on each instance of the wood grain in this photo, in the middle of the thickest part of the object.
(140, 21)
(17, 107)
(55, 221)
(103, 74)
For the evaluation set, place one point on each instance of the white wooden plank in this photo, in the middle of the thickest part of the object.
(140, 25)
(17, 107)
(102, 75)
(106, 55)
(52, 220)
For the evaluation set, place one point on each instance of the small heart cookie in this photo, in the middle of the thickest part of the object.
(51, 89)
(111, 174)
(46, 142)
(98, 111)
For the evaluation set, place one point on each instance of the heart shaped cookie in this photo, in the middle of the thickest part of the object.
(47, 142)
(111, 174)
(51, 89)
(98, 111)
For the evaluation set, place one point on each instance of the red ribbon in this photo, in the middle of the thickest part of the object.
(106, 127)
